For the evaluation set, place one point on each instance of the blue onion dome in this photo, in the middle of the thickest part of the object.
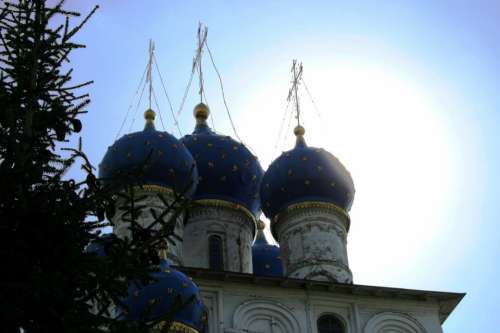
(227, 170)
(266, 257)
(160, 298)
(305, 174)
(163, 161)
(99, 246)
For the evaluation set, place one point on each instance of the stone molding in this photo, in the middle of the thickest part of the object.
(304, 209)
(310, 213)
(397, 322)
(198, 212)
(324, 223)
(252, 312)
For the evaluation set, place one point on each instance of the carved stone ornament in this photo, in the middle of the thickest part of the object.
(264, 316)
(396, 322)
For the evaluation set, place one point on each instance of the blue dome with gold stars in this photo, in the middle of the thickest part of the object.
(305, 174)
(172, 293)
(266, 258)
(227, 170)
(157, 157)
(153, 301)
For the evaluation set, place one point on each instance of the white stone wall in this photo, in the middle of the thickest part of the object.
(151, 201)
(247, 308)
(313, 243)
(235, 228)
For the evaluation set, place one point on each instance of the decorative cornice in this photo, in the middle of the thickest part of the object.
(177, 326)
(312, 204)
(155, 188)
(224, 204)
(310, 262)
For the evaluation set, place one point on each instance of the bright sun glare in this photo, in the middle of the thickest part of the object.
(387, 132)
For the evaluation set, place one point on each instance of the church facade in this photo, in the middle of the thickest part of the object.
(238, 280)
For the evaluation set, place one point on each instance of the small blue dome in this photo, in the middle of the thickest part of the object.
(159, 298)
(165, 160)
(227, 169)
(266, 258)
(99, 246)
(305, 174)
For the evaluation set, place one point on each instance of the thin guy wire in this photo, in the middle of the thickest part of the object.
(158, 107)
(131, 103)
(186, 91)
(312, 100)
(223, 94)
(281, 127)
(176, 123)
(285, 138)
(210, 115)
(137, 106)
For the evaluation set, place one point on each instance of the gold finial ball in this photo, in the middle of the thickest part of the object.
(261, 225)
(149, 115)
(201, 111)
(299, 131)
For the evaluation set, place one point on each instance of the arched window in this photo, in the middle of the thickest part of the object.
(330, 324)
(215, 255)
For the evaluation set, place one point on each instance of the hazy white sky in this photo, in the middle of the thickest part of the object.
(408, 101)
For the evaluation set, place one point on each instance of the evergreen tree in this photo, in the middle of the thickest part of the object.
(49, 283)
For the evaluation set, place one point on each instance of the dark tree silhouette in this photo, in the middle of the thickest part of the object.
(49, 283)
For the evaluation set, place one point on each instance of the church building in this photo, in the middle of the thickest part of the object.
(221, 259)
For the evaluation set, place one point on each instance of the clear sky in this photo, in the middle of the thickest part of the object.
(408, 100)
